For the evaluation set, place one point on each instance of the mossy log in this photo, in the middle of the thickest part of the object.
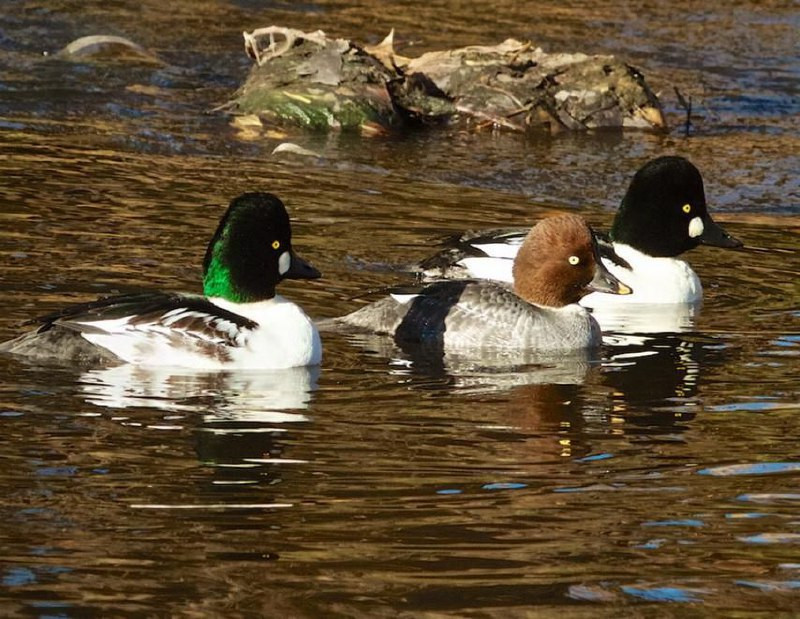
(309, 80)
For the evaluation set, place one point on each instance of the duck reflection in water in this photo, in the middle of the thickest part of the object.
(248, 396)
(651, 386)
(427, 364)
(639, 393)
(658, 383)
(245, 414)
(657, 386)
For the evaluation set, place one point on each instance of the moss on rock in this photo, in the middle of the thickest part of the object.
(311, 81)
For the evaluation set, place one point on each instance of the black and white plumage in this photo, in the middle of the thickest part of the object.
(240, 323)
(137, 327)
(472, 314)
(662, 215)
(557, 264)
(489, 254)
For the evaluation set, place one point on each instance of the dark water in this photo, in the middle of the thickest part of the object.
(660, 479)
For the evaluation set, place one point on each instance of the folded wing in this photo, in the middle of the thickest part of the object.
(140, 327)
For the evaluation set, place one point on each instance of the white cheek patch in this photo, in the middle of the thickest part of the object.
(284, 262)
(696, 227)
(403, 299)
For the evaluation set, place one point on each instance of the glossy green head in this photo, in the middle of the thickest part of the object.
(251, 251)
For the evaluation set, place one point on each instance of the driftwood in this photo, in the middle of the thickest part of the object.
(310, 80)
(107, 48)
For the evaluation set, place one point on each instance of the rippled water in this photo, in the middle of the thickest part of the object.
(660, 477)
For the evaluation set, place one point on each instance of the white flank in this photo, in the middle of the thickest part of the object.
(285, 338)
(500, 250)
(497, 269)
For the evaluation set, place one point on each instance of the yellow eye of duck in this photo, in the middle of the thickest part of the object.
(573, 260)
(687, 208)
(276, 244)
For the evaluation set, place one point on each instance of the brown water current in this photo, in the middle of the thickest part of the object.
(658, 479)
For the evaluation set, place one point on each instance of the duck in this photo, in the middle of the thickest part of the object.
(239, 322)
(557, 264)
(662, 215)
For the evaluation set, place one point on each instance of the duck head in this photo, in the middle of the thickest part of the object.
(251, 251)
(559, 263)
(664, 212)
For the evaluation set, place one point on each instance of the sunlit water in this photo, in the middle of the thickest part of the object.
(660, 476)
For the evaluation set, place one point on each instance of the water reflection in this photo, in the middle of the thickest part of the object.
(556, 478)
(253, 396)
(477, 371)
(646, 369)
(650, 382)
(656, 383)
(633, 318)
(243, 431)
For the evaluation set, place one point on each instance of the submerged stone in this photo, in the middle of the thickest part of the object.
(312, 81)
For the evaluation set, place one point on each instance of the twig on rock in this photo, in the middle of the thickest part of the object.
(273, 50)
(686, 105)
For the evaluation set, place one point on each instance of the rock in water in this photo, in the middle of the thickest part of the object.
(315, 82)
(520, 87)
(312, 81)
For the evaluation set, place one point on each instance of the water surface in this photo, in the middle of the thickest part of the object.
(658, 477)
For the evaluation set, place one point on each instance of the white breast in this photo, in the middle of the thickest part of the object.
(654, 281)
(286, 336)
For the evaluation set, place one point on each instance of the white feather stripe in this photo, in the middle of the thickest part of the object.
(175, 315)
(116, 325)
(499, 250)
(497, 269)
(172, 312)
